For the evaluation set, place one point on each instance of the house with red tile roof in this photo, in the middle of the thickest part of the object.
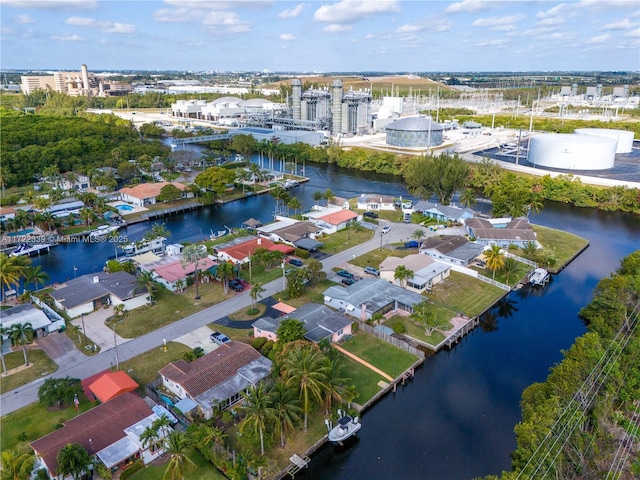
(331, 221)
(110, 432)
(217, 378)
(147, 193)
(170, 270)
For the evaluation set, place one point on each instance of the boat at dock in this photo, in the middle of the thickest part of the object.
(346, 427)
(539, 277)
(103, 231)
(29, 249)
(219, 233)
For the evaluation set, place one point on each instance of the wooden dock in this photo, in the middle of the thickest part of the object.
(297, 463)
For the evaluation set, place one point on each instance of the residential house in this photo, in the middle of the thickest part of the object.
(318, 321)
(170, 270)
(292, 232)
(7, 213)
(111, 432)
(501, 231)
(74, 181)
(443, 213)
(369, 296)
(376, 202)
(111, 385)
(95, 290)
(452, 249)
(66, 208)
(147, 193)
(240, 252)
(427, 272)
(332, 220)
(217, 378)
(41, 324)
(339, 202)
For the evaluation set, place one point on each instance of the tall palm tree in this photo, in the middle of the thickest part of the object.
(468, 198)
(225, 272)
(120, 311)
(177, 444)
(209, 437)
(402, 274)
(17, 465)
(73, 460)
(256, 292)
(35, 274)
(257, 410)
(317, 196)
(328, 195)
(160, 230)
(335, 387)
(145, 279)
(418, 234)
(12, 270)
(306, 369)
(494, 258)
(192, 255)
(294, 202)
(21, 333)
(149, 438)
(509, 267)
(286, 411)
(281, 195)
(3, 330)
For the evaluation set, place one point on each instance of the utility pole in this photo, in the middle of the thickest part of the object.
(115, 346)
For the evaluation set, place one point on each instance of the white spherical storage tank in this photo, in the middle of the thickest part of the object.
(572, 152)
(623, 137)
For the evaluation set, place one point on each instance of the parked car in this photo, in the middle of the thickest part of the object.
(386, 229)
(296, 261)
(236, 285)
(371, 271)
(348, 281)
(345, 274)
(219, 338)
(370, 215)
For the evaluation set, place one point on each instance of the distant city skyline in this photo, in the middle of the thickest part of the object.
(321, 36)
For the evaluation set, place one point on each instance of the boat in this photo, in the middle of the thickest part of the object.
(103, 231)
(29, 248)
(219, 233)
(539, 277)
(345, 428)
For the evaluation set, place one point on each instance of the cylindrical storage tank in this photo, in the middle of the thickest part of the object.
(572, 152)
(623, 138)
(336, 106)
(414, 132)
(296, 85)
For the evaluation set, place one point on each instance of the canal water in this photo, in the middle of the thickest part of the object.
(455, 419)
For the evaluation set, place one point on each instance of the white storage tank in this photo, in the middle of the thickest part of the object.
(623, 138)
(572, 152)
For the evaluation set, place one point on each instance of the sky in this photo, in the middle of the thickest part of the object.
(321, 36)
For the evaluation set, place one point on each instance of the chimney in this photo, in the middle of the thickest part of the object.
(259, 241)
(96, 279)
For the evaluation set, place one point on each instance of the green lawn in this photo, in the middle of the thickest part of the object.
(41, 365)
(363, 378)
(563, 245)
(81, 342)
(345, 239)
(203, 471)
(391, 360)
(144, 368)
(520, 271)
(417, 331)
(375, 257)
(464, 294)
(35, 421)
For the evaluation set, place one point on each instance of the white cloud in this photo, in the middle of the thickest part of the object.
(229, 21)
(67, 37)
(602, 5)
(349, 11)
(624, 24)
(287, 37)
(219, 4)
(103, 26)
(633, 33)
(7, 30)
(292, 12)
(429, 24)
(24, 19)
(177, 15)
(598, 39)
(337, 28)
(470, 6)
(52, 4)
(492, 43)
(538, 31)
(498, 23)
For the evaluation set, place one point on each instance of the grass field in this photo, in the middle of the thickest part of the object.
(345, 239)
(203, 470)
(464, 294)
(391, 360)
(564, 245)
(41, 365)
(417, 331)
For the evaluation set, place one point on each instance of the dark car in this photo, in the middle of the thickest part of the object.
(370, 215)
(219, 338)
(236, 285)
(345, 274)
(348, 281)
(296, 261)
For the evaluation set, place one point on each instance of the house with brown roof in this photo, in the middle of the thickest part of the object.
(452, 249)
(217, 378)
(376, 202)
(501, 231)
(147, 193)
(110, 432)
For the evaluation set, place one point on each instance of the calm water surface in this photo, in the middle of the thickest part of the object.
(455, 419)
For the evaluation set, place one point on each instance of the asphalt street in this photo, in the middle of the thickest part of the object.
(87, 366)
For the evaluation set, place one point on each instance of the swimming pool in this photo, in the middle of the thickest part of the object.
(21, 232)
(124, 208)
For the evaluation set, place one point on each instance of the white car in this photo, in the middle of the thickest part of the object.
(386, 229)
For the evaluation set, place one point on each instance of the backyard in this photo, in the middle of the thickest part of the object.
(464, 294)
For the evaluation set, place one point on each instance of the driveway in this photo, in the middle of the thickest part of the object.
(60, 348)
(200, 337)
(97, 331)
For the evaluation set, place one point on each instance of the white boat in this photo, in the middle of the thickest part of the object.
(345, 428)
(103, 231)
(539, 277)
(219, 233)
(29, 248)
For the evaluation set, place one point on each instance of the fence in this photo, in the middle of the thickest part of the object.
(526, 261)
(396, 342)
(494, 283)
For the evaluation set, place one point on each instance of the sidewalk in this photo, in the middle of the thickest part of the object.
(97, 331)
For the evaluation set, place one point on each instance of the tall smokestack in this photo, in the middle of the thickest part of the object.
(85, 78)
(297, 96)
(336, 106)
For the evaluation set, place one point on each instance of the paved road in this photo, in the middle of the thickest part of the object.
(87, 366)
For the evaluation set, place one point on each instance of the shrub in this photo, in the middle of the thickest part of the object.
(267, 347)
(398, 327)
(301, 253)
(189, 356)
(258, 342)
(131, 469)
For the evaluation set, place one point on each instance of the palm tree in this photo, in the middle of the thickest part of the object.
(294, 202)
(76, 330)
(73, 460)
(12, 270)
(335, 387)
(468, 197)
(281, 195)
(209, 437)
(87, 215)
(509, 267)
(225, 272)
(317, 196)
(177, 444)
(149, 438)
(21, 333)
(160, 230)
(192, 254)
(35, 274)
(256, 292)
(120, 311)
(418, 234)
(306, 370)
(257, 410)
(3, 330)
(286, 411)
(328, 195)
(402, 274)
(495, 259)
(17, 465)
(180, 285)
(145, 279)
